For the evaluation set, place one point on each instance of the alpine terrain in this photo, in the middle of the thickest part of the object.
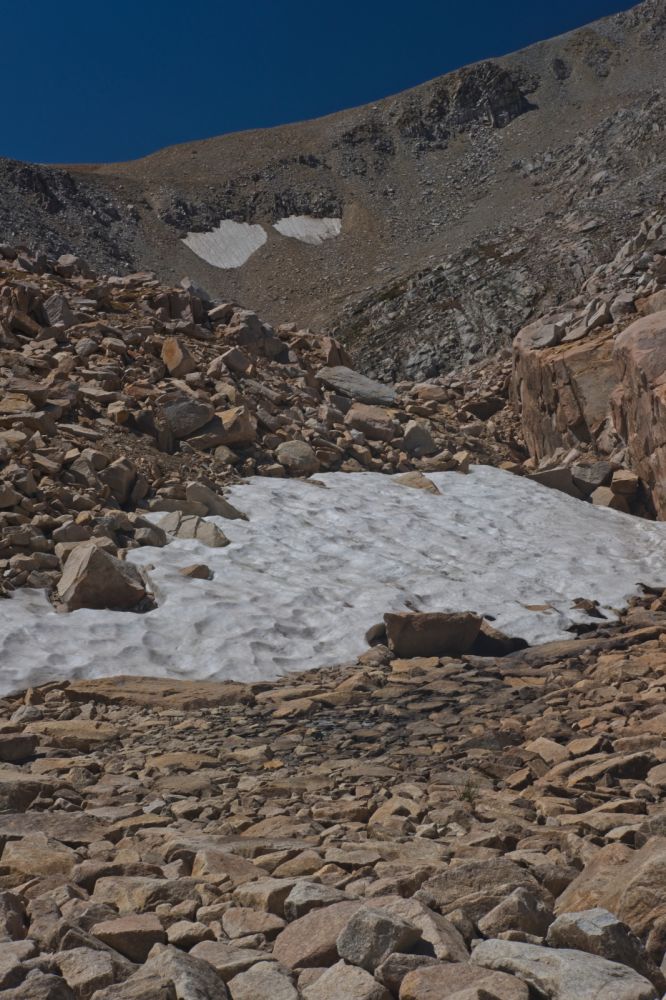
(333, 549)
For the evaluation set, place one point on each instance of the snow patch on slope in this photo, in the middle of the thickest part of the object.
(230, 245)
(307, 229)
(316, 565)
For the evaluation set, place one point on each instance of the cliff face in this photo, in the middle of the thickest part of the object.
(591, 378)
(464, 207)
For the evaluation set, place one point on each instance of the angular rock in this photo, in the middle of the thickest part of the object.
(185, 416)
(562, 973)
(372, 935)
(263, 980)
(450, 980)
(431, 633)
(350, 383)
(94, 579)
(599, 932)
(312, 940)
(133, 936)
(346, 981)
(191, 526)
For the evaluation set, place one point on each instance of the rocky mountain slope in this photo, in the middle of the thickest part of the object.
(463, 207)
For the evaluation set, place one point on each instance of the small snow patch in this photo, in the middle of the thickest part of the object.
(307, 229)
(230, 245)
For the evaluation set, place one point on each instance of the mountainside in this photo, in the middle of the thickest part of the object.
(423, 230)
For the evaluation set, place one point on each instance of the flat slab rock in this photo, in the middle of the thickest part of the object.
(563, 973)
(356, 386)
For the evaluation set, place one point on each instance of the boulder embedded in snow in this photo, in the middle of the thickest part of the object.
(560, 479)
(491, 642)
(417, 481)
(563, 973)
(431, 633)
(298, 457)
(191, 526)
(94, 579)
(356, 386)
(216, 505)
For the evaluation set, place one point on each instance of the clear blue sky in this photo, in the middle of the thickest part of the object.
(96, 80)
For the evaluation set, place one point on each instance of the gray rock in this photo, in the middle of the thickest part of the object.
(191, 526)
(372, 935)
(185, 416)
(58, 311)
(306, 896)
(564, 974)
(418, 440)
(298, 457)
(393, 969)
(356, 386)
(558, 479)
(522, 910)
(587, 478)
(216, 504)
(599, 932)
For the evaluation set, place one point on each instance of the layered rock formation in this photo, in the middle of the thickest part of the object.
(588, 379)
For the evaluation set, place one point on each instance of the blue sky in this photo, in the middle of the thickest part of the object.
(96, 80)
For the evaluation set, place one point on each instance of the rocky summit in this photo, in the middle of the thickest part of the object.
(403, 421)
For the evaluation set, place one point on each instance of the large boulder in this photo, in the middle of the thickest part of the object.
(563, 391)
(372, 935)
(375, 422)
(185, 416)
(93, 578)
(431, 634)
(562, 973)
(450, 980)
(599, 932)
(635, 891)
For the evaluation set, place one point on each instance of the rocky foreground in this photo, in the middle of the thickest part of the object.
(468, 828)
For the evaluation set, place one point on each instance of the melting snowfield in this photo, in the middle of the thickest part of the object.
(307, 229)
(317, 565)
(230, 245)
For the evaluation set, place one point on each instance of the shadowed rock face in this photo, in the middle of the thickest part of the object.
(466, 204)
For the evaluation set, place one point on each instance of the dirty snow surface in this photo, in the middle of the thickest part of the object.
(316, 565)
(307, 229)
(230, 245)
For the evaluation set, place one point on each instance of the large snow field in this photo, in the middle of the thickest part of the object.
(316, 565)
